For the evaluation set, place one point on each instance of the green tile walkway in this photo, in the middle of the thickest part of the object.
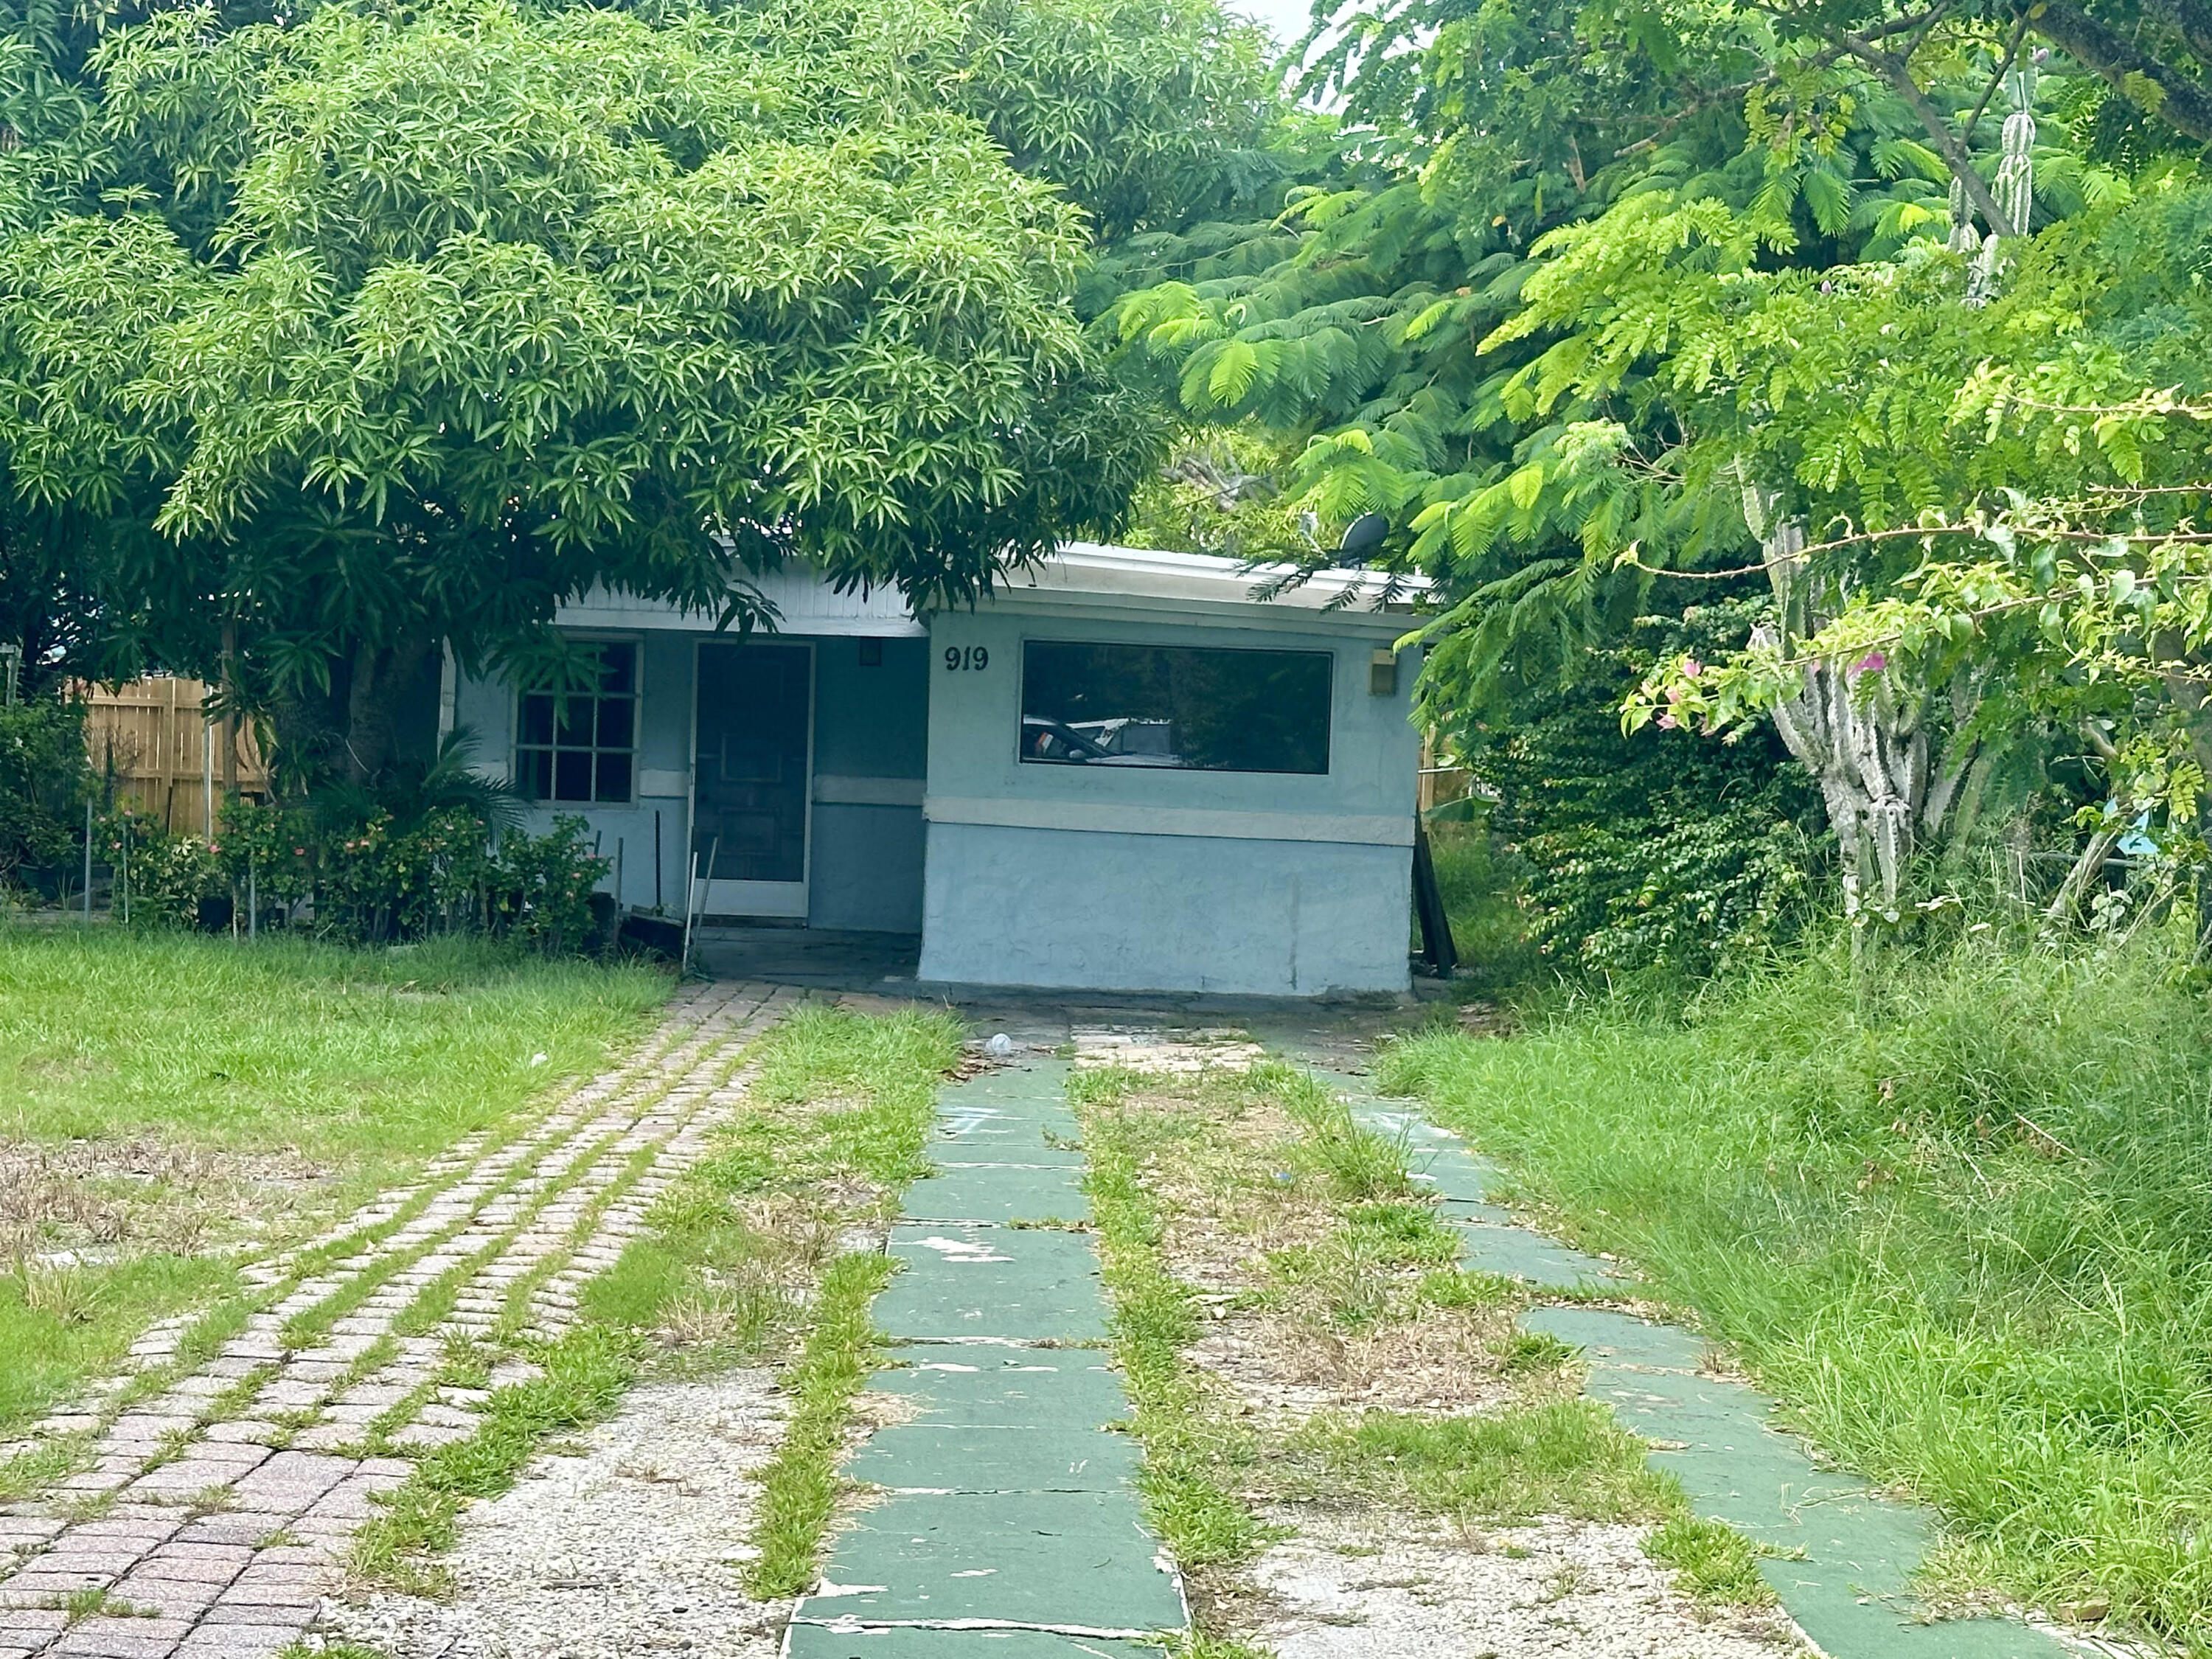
(1847, 1556)
(1009, 1526)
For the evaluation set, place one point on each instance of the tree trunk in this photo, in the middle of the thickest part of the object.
(1865, 744)
(2179, 99)
(380, 675)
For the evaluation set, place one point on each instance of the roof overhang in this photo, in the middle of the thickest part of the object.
(1082, 579)
(1088, 578)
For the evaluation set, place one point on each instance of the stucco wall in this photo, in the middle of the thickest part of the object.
(1128, 878)
(1117, 911)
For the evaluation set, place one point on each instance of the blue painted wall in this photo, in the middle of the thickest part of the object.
(871, 736)
(1134, 878)
(1112, 911)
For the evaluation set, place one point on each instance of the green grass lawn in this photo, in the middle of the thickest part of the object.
(1960, 1215)
(167, 1099)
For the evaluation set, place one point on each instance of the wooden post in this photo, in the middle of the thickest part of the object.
(1429, 905)
(229, 717)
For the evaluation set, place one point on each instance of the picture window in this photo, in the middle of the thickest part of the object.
(1188, 708)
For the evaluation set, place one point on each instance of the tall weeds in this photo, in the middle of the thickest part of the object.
(1963, 1223)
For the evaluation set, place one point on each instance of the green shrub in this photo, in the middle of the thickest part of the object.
(375, 880)
(167, 875)
(1662, 849)
(541, 887)
(44, 783)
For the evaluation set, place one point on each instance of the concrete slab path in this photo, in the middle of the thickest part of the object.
(1010, 1526)
(1844, 1556)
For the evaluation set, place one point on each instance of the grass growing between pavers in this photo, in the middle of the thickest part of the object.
(1197, 1459)
(741, 1262)
(584, 1373)
(1249, 1221)
(799, 1488)
(161, 1090)
(1957, 1215)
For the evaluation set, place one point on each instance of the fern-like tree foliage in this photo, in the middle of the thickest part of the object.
(330, 333)
(1601, 301)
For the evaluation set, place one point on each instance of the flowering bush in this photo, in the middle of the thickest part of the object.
(541, 887)
(369, 880)
(380, 880)
(159, 879)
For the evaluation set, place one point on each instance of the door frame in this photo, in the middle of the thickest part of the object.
(769, 901)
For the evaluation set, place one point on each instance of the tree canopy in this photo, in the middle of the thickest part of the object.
(324, 338)
(1617, 315)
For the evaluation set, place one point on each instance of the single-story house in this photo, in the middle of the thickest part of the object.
(1119, 771)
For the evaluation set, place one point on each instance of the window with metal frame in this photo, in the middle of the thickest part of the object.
(581, 745)
(1198, 708)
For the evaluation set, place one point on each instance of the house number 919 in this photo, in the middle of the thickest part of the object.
(959, 657)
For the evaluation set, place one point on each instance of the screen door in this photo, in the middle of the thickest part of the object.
(751, 777)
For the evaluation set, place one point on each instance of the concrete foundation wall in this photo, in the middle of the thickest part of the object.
(1122, 912)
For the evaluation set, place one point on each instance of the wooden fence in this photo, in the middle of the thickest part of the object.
(165, 759)
(1441, 783)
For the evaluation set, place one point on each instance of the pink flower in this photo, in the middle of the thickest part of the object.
(1691, 668)
(1873, 662)
(1667, 722)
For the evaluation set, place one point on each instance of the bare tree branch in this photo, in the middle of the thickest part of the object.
(2181, 101)
(1897, 69)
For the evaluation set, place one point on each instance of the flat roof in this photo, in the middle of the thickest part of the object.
(1095, 575)
(1079, 578)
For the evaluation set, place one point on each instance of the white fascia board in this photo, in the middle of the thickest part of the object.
(1082, 578)
(804, 607)
(1382, 626)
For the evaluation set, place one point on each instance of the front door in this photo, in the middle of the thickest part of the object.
(752, 778)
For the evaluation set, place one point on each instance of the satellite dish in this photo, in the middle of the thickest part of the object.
(1362, 537)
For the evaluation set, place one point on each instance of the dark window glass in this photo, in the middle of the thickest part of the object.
(537, 718)
(614, 723)
(1175, 706)
(576, 744)
(535, 775)
(572, 775)
(614, 777)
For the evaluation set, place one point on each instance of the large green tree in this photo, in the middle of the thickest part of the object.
(352, 332)
(1661, 306)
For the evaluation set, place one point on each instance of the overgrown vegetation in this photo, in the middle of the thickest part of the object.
(742, 1262)
(1264, 1251)
(43, 782)
(171, 1102)
(1952, 1207)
